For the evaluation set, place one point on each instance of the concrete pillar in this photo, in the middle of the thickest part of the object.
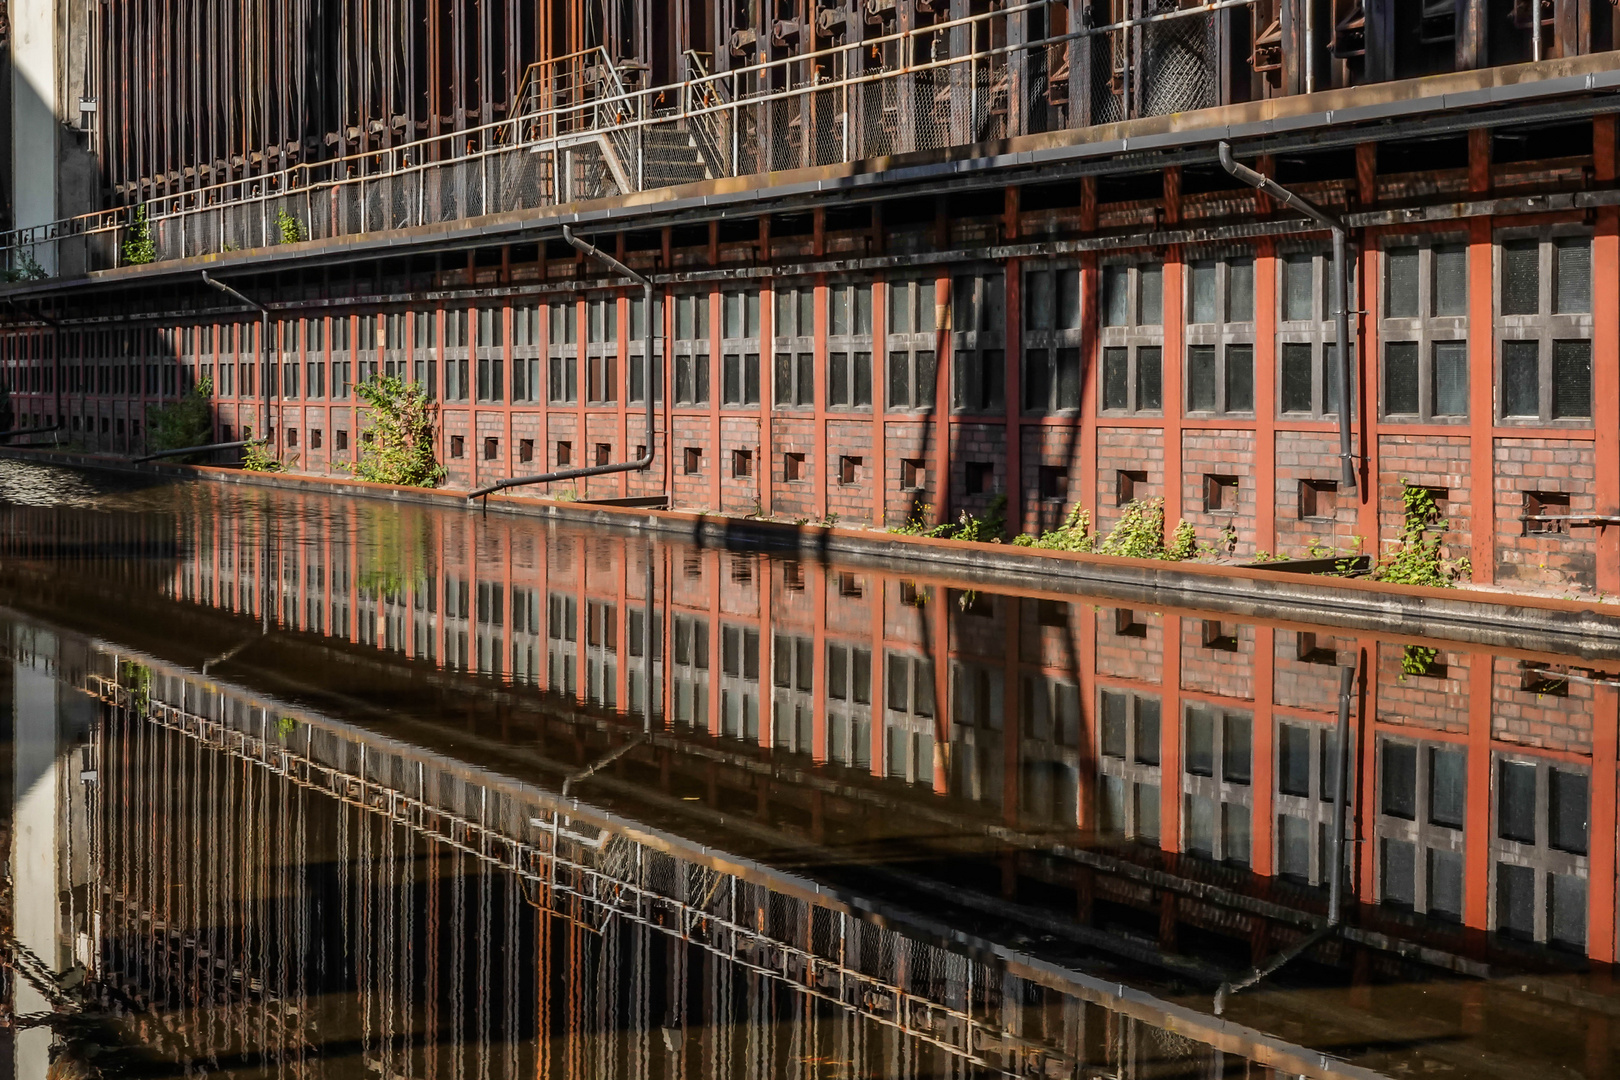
(33, 118)
(34, 853)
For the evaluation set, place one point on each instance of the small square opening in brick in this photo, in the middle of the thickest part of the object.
(492, 448)
(458, 446)
(1129, 485)
(1219, 637)
(1052, 481)
(1220, 494)
(1318, 499)
(1311, 650)
(342, 439)
(913, 595)
(292, 437)
(565, 454)
(793, 575)
(981, 477)
(1543, 682)
(1546, 512)
(850, 587)
(913, 474)
(1127, 624)
(525, 449)
(742, 464)
(849, 469)
(692, 462)
(793, 468)
(314, 438)
(1052, 613)
(604, 453)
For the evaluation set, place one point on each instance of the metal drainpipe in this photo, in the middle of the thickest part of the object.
(1341, 292)
(264, 346)
(645, 460)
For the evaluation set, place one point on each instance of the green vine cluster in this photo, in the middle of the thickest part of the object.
(1139, 534)
(27, 268)
(140, 247)
(186, 422)
(397, 445)
(290, 229)
(991, 528)
(1419, 557)
(257, 456)
(1418, 660)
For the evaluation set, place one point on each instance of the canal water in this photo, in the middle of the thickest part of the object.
(301, 786)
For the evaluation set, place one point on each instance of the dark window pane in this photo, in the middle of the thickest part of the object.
(1147, 811)
(1116, 378)
(1401, 378)
(1398, 783)
(1332, 765)
(1567, 803)
(1447, 786)
(1240, 378)
(838, 379)
(1294, 847)
(1572, 285)
(1451, 280)
(1445, 883)
(806, 379)
(1200, 826)
(863, 378)
(1397, 873)
(1147, 731)
(1201, 378)
(1115, 716)
(1521, 378)
(1202, 288)
(784, 379)
(1296, 377)
(1451, 378)
(1116, 303)
(927, 372)
(1237, 753)
(1240, 291)
(1515, 900)
(1401, 278)
(899, 380)
(1068, 378)
(1040, 299)
(1149, 378)
(1037, 379)
(1200, 743)
(1298, 273)
(1068, 300)
(1111, 805)
(1566, 910)
(1571, 380)
(1150, 289)
(1332, 378)
(1516, 802)
(1521, 277)
(1294, 760)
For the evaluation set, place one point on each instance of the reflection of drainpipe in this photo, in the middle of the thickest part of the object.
(1341, 291)
(264, 350)
(646, 459)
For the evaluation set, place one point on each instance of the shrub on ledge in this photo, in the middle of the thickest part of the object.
(396, 446)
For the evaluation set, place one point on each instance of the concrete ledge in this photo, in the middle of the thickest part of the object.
(1519, 622)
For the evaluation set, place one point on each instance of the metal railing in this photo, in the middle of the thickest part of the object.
(578, 133)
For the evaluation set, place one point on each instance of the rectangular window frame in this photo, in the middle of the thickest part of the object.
(1133, 335)
(1545, 327)
(1222, 335)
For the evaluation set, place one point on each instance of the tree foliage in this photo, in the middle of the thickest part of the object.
(139, 246)
(186, 422)
(396, 446)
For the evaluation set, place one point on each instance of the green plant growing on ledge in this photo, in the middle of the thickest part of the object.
(1418, 559)
(290, 228)
(991, 528)
(258, 457)
(1139, 534)
(139, 246)
(27, 268)
(1417, 660)
(1073, 535)
(186, 422)
(397, 445)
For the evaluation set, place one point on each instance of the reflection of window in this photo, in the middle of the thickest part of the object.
(739, 682)
(908, 728)
(1128, 789)
(977, 745)
(849, 704)
(1218, 766)
(1307, 770)
(562, 641)
(1544, 327)
(691, 671)
(1421, 799)
(1539, 851)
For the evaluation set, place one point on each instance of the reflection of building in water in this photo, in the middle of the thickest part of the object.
(1157, 778)
(272, 889)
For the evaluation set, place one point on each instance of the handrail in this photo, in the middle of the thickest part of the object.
(603, 111)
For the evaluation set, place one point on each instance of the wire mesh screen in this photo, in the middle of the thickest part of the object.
(1176, 72)
(1107, 68)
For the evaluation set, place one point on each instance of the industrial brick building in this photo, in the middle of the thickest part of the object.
(909, 255)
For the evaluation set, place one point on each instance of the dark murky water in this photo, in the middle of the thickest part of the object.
(303, 787)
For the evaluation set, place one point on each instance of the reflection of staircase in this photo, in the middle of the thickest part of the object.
(670, 157)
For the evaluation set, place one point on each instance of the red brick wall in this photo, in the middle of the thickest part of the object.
(1127, 656)
(1126, 449)
(1214, 671)
(1310, 455)
(1424, 701)
(1541, 721)
(1306, 683)
(1564, 560)
(1222, 453)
